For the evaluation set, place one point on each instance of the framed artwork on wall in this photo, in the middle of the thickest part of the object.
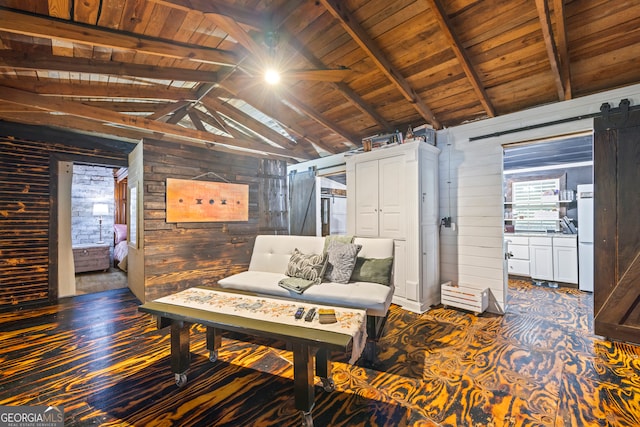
(204, 201)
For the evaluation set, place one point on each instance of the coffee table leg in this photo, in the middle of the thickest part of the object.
(303, 381)
(180, 352)
(214, 341)
(323, 369)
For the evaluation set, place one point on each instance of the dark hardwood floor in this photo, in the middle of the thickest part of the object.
(538, 365)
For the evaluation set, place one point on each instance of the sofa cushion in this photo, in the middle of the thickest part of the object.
(306, 266)
(342, 260)
(376, 270)
(270, 258)
(261, 282)
(271, 253)
(372, 297)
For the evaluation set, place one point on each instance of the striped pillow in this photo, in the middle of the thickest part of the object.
(309, 267)
(342, 260)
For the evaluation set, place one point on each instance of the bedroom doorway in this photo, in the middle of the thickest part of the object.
(97, 228)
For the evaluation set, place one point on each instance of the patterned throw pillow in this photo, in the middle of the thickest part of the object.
(342, 260)
(309, 267)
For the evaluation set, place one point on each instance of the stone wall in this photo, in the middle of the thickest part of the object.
(91, 184)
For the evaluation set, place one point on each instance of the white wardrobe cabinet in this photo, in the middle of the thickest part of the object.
(393, 192)
(380, 206)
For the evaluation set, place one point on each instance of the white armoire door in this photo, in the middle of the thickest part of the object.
(391, 195)
(366, 195)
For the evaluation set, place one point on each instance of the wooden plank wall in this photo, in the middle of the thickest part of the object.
(181, 255)
(26, 203)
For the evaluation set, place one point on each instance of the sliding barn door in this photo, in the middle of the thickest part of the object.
(617, 224)
(302, 209)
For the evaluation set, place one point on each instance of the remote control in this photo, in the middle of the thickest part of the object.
(299, 313)
(310, 315)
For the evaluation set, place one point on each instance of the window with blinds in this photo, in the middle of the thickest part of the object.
(535, 205)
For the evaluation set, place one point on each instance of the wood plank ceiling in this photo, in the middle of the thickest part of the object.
(190, 71)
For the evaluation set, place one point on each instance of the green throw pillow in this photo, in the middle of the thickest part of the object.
(340, 238)
(376, 270)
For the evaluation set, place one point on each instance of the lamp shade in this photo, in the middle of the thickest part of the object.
(100, 209)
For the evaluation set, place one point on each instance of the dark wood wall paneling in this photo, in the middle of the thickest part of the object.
(28, 209)
(181, 255)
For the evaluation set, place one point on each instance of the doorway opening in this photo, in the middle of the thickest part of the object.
(318, 201)
(333, 204)
(542, 218)
(98, 227)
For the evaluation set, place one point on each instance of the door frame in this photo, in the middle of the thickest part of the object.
(55, 160)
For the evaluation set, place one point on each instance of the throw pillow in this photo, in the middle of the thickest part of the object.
(376, 270)
(341, 260)
(119, 233)
(328, 240)
(310, 267)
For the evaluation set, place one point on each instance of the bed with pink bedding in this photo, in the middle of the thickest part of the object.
(121, 248)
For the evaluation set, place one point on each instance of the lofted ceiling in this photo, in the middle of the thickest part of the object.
(190, 71)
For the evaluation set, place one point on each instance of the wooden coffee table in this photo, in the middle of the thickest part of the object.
(213, 308)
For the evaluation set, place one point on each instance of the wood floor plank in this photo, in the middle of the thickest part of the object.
(539, 364)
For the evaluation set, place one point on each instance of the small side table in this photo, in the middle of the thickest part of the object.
(91, 257)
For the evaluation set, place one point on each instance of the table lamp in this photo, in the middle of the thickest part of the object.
(100, 209)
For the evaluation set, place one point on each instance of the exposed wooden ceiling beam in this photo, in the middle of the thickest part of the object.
(229, 19)
(447, 30)
(349, 94)
(218, 12)
(276, 111)
(563, 49)
(350, 140)
(229, 128)
(214, 120)
(10, 107)
(196, 121)
(53, 28)
(104, 129)
(45, 118)
(213, 103)
(167, 109)
(552, 52)
(338, 10)
(243, 15)
(234, 29)
(178, 114)
(111, 91)
(30, 61)
(128, 121)
(127, 107)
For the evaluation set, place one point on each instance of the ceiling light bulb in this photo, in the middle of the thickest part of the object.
(272, 77)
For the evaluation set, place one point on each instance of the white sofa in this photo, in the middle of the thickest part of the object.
(269, 262)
